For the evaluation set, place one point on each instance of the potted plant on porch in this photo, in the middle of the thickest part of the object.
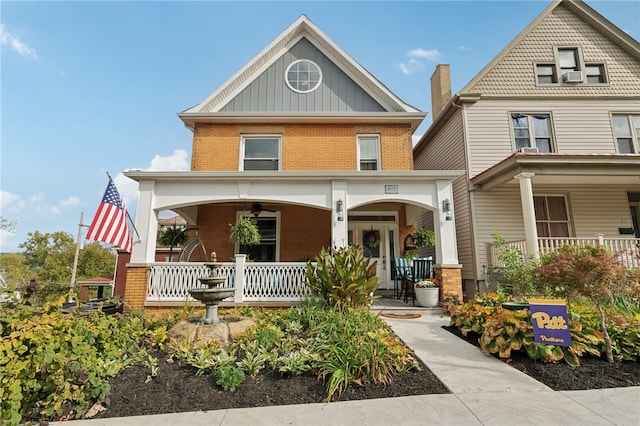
(245, 232)
(427, 293)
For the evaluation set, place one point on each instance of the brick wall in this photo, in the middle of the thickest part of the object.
(135, 292)
(450, 279)
(305, 147)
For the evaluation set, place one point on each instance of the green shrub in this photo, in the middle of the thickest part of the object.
(517, 270)
(230, 378)
(343, 277)
(49, 360)
(588, 272)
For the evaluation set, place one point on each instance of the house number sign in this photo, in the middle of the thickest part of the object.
(391, 189)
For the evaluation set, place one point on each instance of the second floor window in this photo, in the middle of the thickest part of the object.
(368, 152)
(626, 128)
(552, 218)
(260, 153)
(532, 131)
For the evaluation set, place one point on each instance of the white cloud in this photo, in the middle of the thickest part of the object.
(415, 64)
(10, 203)
(175, 162)
(430, 55)
(464, 48)
(41, 207)
(8, 39)
(415, 139)
(128, 188)
(5, 237)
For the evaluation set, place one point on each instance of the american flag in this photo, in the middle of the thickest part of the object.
(110, 222)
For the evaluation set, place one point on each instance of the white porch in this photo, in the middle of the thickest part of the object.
(345, 196)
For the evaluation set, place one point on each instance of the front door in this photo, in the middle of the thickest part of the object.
(374, 240)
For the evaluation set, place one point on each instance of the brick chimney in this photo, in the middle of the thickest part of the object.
(440, 89)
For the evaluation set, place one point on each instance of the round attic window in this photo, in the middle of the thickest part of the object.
(303, 76)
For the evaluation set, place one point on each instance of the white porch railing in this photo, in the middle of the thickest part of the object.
(254, 282)
(626, 250)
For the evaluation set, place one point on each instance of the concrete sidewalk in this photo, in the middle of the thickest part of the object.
(485, 392)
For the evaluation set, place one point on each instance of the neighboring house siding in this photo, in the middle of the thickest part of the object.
(578, 127)
(305, 147)
(594, 210)
(269, 91)
(515, 74)
(446, 152)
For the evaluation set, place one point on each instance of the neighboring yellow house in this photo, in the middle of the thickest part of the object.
(549, 135)
(309, 143)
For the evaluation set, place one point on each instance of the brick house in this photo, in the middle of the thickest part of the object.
(318, 151)
(549, 136)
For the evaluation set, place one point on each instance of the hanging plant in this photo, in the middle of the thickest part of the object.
(371, 239)
(421, 237)
(244, 232)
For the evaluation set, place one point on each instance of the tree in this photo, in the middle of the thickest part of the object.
(50, 257)
(6, 225)
(17, 272)
(173, 233)
(95, 260)
(587, 271)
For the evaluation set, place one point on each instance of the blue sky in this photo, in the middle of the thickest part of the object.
(94, 87)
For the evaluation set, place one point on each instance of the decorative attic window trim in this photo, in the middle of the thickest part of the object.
(303, 76)
(570, 69)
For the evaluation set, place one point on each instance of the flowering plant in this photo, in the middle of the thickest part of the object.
(425, 284)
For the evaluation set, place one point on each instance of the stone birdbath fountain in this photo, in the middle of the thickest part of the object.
(213, 294)
(197, 332)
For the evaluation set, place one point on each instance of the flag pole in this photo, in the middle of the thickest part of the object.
(75, 258)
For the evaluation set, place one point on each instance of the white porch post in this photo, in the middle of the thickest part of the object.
(445, 230)
(528, 214)
(339, 233)
(144, 251)
(239, 284)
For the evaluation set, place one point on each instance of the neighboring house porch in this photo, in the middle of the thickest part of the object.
(542, 201)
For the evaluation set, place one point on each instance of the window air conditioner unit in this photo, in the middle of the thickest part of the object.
(529, 149)
(572, 77)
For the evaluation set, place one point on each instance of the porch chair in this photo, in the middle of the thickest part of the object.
(421, 270)
(401, 276)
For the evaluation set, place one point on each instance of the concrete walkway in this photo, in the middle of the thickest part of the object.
(485, 392)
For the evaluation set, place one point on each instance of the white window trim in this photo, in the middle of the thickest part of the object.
(286, 76)
(259, 136)
(532, 136)
(635, 136)
(378, 156)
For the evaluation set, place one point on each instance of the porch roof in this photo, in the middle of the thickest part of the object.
(552, 168)
(294, 176)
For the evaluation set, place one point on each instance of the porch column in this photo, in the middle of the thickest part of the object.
(144, 246)
(339, 203)
(445, 230)
(528, 214)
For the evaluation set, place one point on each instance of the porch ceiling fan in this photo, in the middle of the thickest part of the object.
(257, 208)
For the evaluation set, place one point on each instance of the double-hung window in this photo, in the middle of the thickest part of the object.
(626, 128)
(260, 153)
(532, 131)
(368, 152)
(552, 217)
